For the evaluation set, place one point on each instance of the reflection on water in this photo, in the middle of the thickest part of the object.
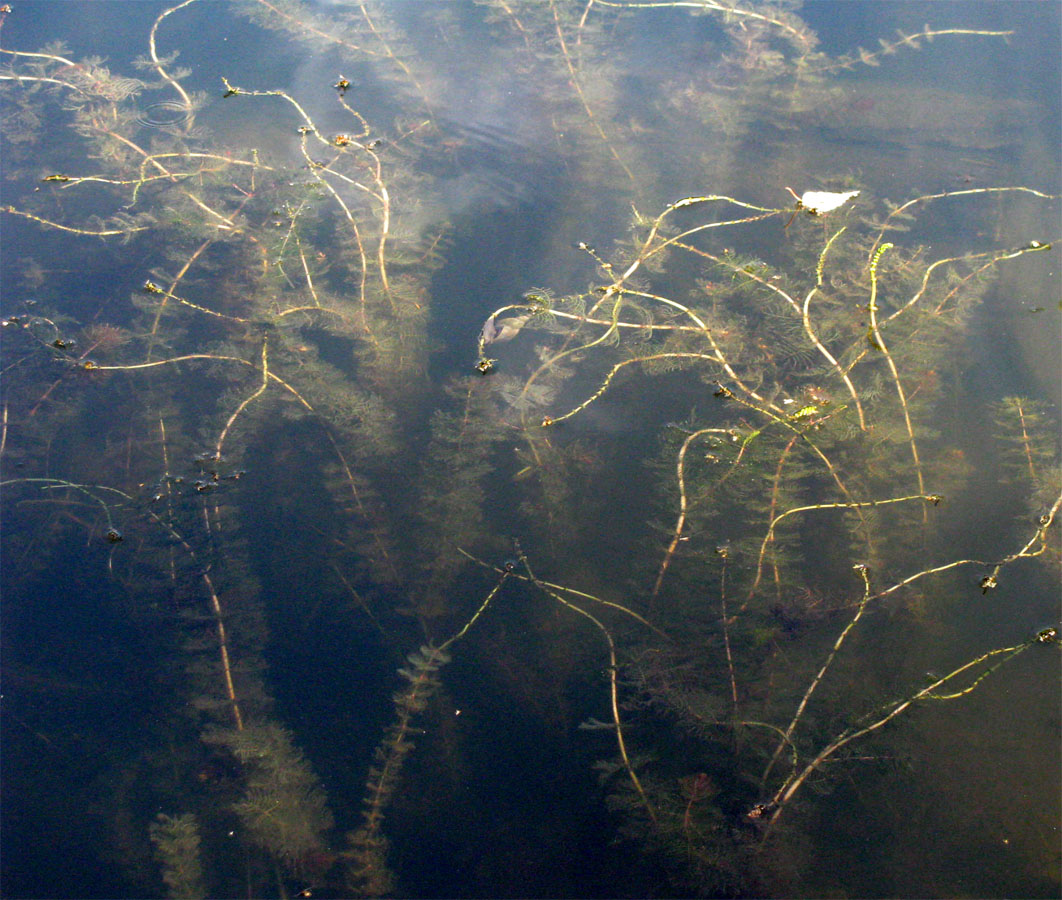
(530, 449)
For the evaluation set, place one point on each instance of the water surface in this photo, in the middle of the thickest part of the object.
(655, 567)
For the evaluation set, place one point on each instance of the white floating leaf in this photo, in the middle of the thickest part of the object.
(497, 330)
(820, 202)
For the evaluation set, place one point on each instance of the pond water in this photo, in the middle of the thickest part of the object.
(533, 449)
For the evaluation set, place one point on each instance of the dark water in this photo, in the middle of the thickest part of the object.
(216, 636)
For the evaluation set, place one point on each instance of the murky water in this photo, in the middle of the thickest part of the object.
(530, 449)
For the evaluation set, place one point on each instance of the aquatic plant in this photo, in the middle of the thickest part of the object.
(176, 840)
(248, 436)
(796, 471)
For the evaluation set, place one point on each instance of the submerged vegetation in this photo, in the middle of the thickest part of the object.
(701, 510)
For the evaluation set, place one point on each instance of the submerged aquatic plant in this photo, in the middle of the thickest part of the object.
(246, 433)
(176, 841)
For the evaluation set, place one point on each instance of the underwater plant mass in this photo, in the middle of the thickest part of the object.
(530, 448)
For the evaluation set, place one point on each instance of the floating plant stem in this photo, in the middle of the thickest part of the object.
(814, 338)
(88, 232)
(680, 523)
(567, 590)
(769, 537)
(553, 420)
(86, 489)
(724, 554)
(926, 198)
(800, 36)
(613, 670)
(176, 85)
(247, 400)
(878, 342)
(787, 736)
(785, 793)
(912, 41)
(791, 425)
